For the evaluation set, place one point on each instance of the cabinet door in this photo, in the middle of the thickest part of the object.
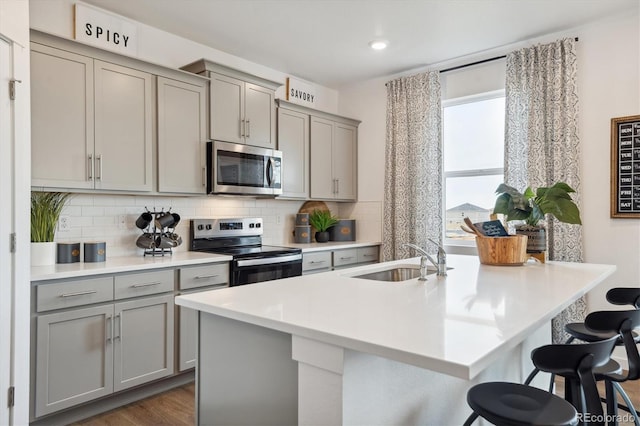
(188, 338)
(227, 109)
(322, 183)
(123, 125)
(344, 161)
(61, 118)
(143, 341)
(74, 358)
(259, 116)
(293, 141)
(182, 130)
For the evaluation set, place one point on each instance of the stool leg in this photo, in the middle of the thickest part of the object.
(625, 397)
(612, 401)
(531, 376)
(471, 419)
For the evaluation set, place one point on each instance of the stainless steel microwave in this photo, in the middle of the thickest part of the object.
(243, 169)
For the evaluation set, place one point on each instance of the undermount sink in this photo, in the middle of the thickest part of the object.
(397, 273)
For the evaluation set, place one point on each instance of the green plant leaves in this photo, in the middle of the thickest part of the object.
(532, 206)
(322, 220)
(45, 212)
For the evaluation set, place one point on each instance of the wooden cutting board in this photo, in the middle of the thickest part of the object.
(310, 206)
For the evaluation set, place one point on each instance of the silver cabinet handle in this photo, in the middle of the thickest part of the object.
(242, 128)
(107, 330)
(146, 284)
(90, 167)
(346, 258)
(119, 328)
(248, 123)
(204, 277)
(337, 186)
(79, 293)
(367, 255)
(313, 262)
(99, 161)
(204, 176)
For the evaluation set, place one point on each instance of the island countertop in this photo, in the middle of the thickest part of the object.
(456, 325)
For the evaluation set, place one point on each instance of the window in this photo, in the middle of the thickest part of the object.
(473, 139)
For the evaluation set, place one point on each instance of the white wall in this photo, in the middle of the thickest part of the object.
(163, 48)
(608, 78)
(14, 26)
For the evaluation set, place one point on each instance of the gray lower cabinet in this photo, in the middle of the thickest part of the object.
(327, 260)
(195, 279)
(124, 338)
(74, 358)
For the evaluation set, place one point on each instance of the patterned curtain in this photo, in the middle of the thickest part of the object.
(413, 165)
(542, 145)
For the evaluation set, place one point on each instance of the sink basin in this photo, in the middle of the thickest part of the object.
(398, 273)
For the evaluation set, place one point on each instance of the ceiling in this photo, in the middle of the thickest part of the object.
(326, 41)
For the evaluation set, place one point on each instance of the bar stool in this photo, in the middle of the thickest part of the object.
(515, 404)
(620, 296)
(622, 322)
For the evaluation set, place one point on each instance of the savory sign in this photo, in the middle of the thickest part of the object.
(625, 167)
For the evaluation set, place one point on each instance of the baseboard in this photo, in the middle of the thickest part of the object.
(114, 401)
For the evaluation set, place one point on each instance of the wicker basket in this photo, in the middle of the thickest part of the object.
(507, 251)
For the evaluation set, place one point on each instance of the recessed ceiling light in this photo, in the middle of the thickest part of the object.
(378, 44)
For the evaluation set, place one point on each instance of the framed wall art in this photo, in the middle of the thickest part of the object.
(625, 167)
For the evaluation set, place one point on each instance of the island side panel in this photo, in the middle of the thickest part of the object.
(245, 374)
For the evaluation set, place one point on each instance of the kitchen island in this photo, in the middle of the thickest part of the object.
(334, 349)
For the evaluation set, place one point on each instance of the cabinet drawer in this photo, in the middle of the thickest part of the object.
(345, 257)
(368, 254)
(318, 260)
(73, 293)
(142, 284)
(201, 276)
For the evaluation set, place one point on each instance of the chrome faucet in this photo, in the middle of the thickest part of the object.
(440, 264)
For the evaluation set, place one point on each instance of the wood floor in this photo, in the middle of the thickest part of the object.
(176, 408)
(172, 408)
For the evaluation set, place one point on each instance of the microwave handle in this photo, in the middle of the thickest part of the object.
(270, 172)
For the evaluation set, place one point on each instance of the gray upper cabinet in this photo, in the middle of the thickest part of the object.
(62, 135)
(182, 127)
(242, 106)
(333, 159)
(293, 141)
(91, 123)
(123, 123)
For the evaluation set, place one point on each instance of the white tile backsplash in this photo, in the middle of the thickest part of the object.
(95, 217)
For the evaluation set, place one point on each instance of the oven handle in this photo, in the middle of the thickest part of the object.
(269, 260)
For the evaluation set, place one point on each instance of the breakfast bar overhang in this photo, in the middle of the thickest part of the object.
(335, 349)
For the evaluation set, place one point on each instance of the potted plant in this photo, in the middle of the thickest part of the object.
(532, 207)
(45, 212)
(322, 220)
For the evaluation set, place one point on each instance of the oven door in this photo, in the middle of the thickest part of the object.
(255, 270)
(243, 169)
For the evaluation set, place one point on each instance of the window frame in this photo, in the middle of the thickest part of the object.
(451, 245)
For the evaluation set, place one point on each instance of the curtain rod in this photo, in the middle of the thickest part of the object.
(478, 62)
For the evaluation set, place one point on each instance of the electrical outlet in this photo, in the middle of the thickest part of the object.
(122, 221)
(64, 224)
(278, 219)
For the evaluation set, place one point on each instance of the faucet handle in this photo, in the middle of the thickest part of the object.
(441, 251)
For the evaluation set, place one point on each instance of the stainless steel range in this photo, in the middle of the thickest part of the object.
(242, 238)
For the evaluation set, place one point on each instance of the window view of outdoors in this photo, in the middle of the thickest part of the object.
(473, 137)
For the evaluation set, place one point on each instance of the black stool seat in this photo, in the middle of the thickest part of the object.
(580, 331)
(503, 403)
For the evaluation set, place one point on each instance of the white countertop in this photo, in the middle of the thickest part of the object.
(457, 325)
(123, 264)
(331, 245)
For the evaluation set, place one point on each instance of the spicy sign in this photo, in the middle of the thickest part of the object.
(105, 30)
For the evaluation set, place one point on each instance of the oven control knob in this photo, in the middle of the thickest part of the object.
(258, 225)
(209, 227)
(200, 227)
(252, 225)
